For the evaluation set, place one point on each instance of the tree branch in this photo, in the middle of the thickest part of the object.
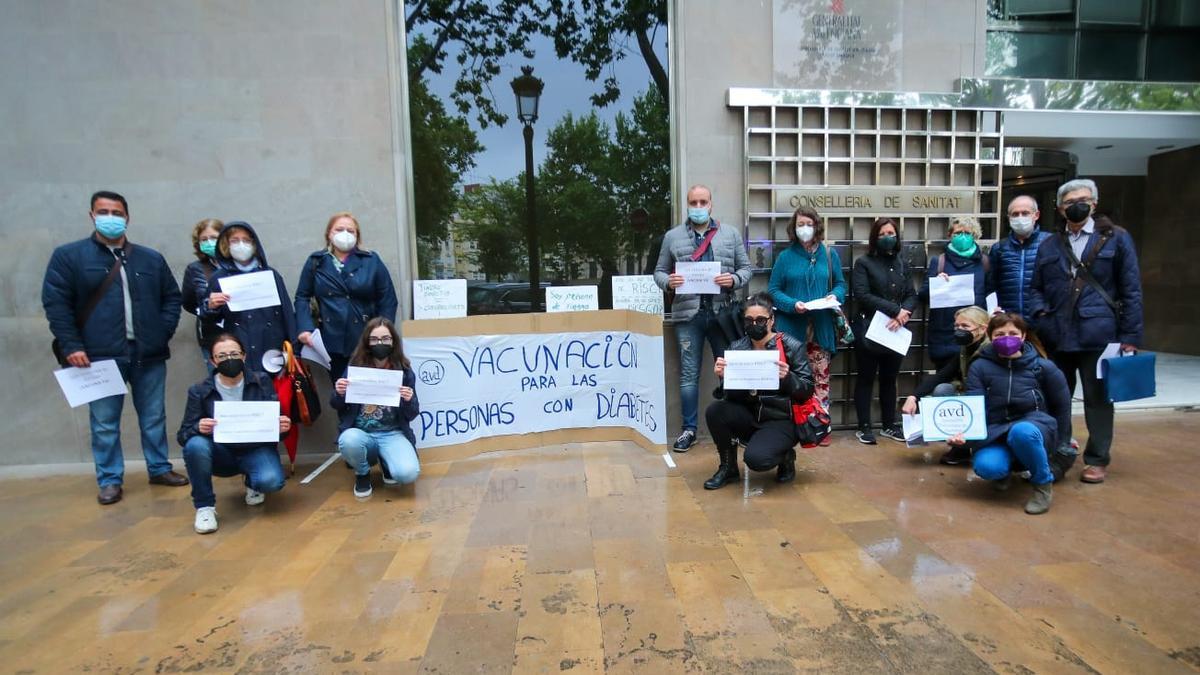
(657, 72)
(412, 19)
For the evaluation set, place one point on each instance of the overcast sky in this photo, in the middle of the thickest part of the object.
(566, 90)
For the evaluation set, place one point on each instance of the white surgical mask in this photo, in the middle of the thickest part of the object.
(241, 251)
(805, 233)
(344, 240)
(1022, 225)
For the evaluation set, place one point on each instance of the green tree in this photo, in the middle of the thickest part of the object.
(443, 148)
(641, 158)
(493, 216)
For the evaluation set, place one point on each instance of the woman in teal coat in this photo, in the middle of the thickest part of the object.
(805, 271)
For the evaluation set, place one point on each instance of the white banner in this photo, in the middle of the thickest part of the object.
(491, 385)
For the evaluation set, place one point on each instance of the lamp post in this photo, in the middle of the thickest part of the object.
(528, 90)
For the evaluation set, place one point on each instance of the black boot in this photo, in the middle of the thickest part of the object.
(786, 472)
(727, 472)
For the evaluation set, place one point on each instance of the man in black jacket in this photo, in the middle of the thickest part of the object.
(129, 319)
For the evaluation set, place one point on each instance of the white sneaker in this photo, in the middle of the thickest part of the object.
(254, 497)
(206, 520)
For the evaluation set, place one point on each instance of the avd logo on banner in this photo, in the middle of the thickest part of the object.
(491, 385)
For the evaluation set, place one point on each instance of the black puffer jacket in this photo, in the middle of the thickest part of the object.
(797, 386)
(881, 283)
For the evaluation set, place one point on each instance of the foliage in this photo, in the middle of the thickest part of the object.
(493, 216)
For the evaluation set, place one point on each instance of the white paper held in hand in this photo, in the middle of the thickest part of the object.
(1111, 351)
(317, 352)
(912, 430)
(993, 303)
(252, 290)
(752, 369)
(821, 303)
(84, 385)
(898, 340)
(374, 386)
(698, 277)
(956, 291)
(246, 421)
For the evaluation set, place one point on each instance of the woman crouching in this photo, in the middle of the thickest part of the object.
(762, 420)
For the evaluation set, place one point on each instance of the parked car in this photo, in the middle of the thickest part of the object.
(506, 297)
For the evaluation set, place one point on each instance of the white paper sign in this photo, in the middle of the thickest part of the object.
(250, 291)
(821, 303)
(912, 430)
(698, 277)
(993, 303)
(898, 340)
(84, 385)
(246, 421)
(1111, 351)
(492, 385)
(752, 369)
(375, 386)
(946, 416)
(956, 291)
(638, 293)
(317, 352)
(439, 298)
(572, 299)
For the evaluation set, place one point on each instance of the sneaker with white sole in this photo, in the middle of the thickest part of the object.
(254, 497)
(206, 520)
(893, 433)
(362, 486)
(685, 441)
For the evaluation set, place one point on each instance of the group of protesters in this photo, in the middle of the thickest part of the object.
(1064, 295)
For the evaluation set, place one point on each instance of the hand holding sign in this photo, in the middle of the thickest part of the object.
(947, 418)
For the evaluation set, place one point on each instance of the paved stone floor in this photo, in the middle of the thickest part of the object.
(586, 558)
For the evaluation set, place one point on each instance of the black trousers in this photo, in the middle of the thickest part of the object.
(767, 443)
(1097, 410)
(887, 367)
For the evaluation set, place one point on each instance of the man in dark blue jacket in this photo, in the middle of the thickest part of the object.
(1086, 294)
(131, 322)
(1014, 257)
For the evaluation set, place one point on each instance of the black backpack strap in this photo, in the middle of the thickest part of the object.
(1083, 275)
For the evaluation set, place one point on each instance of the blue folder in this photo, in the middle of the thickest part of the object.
(1129, 378)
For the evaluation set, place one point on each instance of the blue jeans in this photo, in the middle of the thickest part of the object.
(147, 381)
(363, 449)
(1024, 442)
(205, 459)
(691, 335)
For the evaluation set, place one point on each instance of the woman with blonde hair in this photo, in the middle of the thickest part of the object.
(970, 334)
(342, 287)
(963, 255)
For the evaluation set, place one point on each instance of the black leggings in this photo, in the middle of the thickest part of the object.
(887, 365)
(767, 443)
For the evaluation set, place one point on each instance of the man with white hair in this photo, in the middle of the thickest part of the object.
(1087, 293)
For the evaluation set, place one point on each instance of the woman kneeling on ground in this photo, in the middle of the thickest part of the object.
(371, 434)
(204, 457)
(1028, 410)
(761, 420)
(970, 333)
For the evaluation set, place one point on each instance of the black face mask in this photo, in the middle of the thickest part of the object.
(963, 337)
(1078, 212)
(381, 351)
(231, 367)
(755, 331)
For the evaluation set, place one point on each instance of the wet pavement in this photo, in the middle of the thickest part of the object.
(599, 557)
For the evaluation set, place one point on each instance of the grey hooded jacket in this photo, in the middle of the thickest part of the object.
(727, 248)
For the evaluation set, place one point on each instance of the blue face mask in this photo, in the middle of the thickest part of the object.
(110, 227)
(209, 247)
(698, 214)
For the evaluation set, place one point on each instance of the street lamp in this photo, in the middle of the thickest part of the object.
(528, 90)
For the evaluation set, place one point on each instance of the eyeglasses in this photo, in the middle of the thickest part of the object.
(379, 340)
(225, 356)
(757, 320)
(1081, 200)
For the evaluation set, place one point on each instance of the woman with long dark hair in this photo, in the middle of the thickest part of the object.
(1028, 411)
(376, 434)
(882, 282)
